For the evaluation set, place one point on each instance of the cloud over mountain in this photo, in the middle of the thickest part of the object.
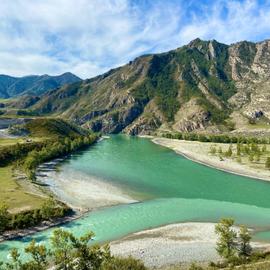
(89, 37)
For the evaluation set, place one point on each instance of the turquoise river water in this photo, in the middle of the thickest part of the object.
(170, 188)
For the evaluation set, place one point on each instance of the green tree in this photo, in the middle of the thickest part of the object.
(86, 256)
(258, 157)
(227, 242)
(213, 150)
(244, 243)
(123, 264)
(4, 216)
(229, 152)
(238, 149)
(62, 249)
(267, 163)
(47, 210)
(220, 150)
(15, 264)
(239, 160)
(70, 253)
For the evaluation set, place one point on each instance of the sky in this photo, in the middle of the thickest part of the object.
(89, 37)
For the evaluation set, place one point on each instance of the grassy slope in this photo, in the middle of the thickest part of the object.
(49, 127)
(16, 197)
(9, 141)
(11, 191)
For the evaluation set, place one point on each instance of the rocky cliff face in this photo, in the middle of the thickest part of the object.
(203, 86)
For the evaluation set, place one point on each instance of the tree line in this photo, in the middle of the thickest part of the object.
(54, 149)
(27, 157)
(216, 138)
(48, 211)
(9, 154)
(253, 151)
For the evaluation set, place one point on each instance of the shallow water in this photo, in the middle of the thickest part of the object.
(172, 189)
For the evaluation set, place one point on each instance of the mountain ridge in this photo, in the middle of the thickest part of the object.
(204, 86)
(11, 86)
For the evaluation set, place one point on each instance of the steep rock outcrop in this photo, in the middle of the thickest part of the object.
(197, 87)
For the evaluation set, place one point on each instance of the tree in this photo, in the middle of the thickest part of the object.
(47, 210)
(76, 253)
(213, 150)
(238, 149)
(229, 152)
(70, 253)
(62, 249)
(125, 264)
(4, 217)
(227, 242)
(220, 150)
(267, 163)
(244, 242)
(239, 160)
(16, 262)
(258, 157)
(31, 175)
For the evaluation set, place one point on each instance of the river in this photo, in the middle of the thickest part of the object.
(168, 187)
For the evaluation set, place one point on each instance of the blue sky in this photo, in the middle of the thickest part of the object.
(88, 37)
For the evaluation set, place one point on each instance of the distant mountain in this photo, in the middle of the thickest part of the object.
(33, 85)
(205, 86)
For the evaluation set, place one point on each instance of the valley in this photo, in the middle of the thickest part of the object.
(123, 154)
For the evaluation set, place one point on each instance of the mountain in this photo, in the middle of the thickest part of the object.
(205, 86)
(36, 85)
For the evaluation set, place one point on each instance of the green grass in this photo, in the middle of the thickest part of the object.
(50, 127)
(11, 141)
(15, 196)
(5, 100)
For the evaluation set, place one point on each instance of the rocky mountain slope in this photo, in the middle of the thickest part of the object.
(36, 85)
(205, 86)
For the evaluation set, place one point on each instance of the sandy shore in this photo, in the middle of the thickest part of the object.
(81, 191)
(199, 152)
(172, 245)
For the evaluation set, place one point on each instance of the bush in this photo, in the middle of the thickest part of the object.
(123, 264)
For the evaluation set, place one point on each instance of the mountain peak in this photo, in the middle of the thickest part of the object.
(33, 84)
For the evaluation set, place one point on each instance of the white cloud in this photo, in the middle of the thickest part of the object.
(88, 37)
(245, 20)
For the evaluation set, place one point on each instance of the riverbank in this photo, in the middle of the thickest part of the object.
(175, 244)
(170, 245)
(20, 233)
(80, 191)
(200, 152)
(117, 159)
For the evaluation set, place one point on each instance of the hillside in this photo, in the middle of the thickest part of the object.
(205, 86)
(48, 128)
(35, 85)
